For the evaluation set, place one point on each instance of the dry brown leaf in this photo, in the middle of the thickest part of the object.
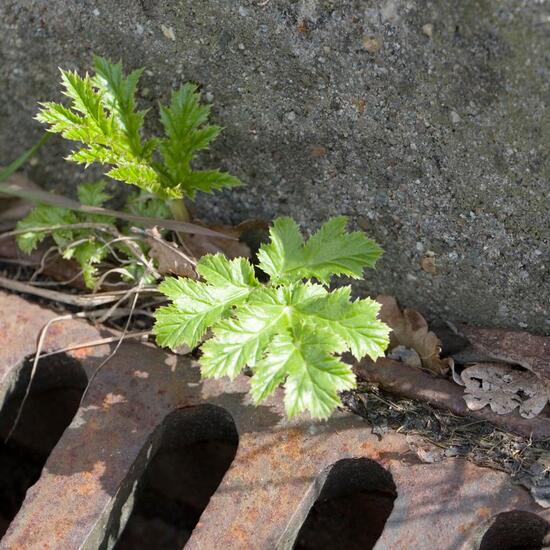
(199, 245)
(406, 355)
(504, 389)
(180, 260)
(169, 257)
(411, 330)
(13, 208)
(428, 265)
(425, 450)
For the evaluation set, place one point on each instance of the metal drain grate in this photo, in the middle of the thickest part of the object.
(87, 488)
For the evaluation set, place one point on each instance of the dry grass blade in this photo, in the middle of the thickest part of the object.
(40, 344)
(57, 200)
(80, 300)
(98, 342)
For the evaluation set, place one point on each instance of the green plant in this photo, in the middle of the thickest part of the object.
(103, 117)
(84, 244)
(290, 330)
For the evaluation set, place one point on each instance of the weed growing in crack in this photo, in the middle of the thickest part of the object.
(290, 330)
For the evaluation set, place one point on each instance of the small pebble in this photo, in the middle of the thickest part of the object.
(428, 29)
(371, 44)
(168, 32)
(291, 116)
(455, 117)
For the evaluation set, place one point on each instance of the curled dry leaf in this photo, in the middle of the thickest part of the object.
(181, 260)
(504, 389)
(406, 355)
(199, 245)
(425, 450)
(14, 208)
(411, 330)
(531, 351)
(169, 257)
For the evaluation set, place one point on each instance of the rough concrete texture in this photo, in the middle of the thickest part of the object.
(426, 122)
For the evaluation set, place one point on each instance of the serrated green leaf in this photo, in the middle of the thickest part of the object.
(217, 270)
(314, 376)
(355, 322)
(289, 331)
(330, 251)
(142, 203)
(193, 312)
(89, 254)
(93, 193)
(45, 217)
(239, 342)
(142, 176)
(104, 118)
(207, 181)
(199, 306)
(118, 95)
(284, 253)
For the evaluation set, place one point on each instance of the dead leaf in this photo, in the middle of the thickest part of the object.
(427, 452)
(169, 257)
(531, 351)
(411, 330)
(13, 208)
(180, 260)
(55, 267)
(199, 245)
(372, 44)
(406, 355)
(504, 389)
(428, 265)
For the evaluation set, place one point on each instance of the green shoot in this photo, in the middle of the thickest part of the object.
(289, 331)
(102, 116)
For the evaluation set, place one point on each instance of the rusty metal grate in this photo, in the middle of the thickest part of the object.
(147, 408)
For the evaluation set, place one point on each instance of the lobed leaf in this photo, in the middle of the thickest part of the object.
(330, 251)
(289, 331)
(103, 117)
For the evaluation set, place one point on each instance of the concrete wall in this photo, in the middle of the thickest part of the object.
(426, 122)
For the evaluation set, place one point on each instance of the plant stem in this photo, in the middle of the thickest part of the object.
(179, 210)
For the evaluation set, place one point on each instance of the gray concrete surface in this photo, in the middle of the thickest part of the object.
(426, 122)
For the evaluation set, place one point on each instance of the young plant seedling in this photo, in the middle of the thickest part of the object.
(291, 330)
(103, 117)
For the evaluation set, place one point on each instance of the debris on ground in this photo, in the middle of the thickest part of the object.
(504, 389)
(435, 434)
(410, 329)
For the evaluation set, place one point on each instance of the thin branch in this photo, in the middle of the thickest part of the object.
(82, 300)
(39, 346)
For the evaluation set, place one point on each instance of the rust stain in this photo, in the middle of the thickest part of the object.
(484, 512)
(303, 27)
(91, 480)
(81, 353)
(238, 533)
(113, 399)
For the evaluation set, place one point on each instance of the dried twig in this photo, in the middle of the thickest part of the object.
(98, 342)
(58, 200)
(39, 345)
(80, 300)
